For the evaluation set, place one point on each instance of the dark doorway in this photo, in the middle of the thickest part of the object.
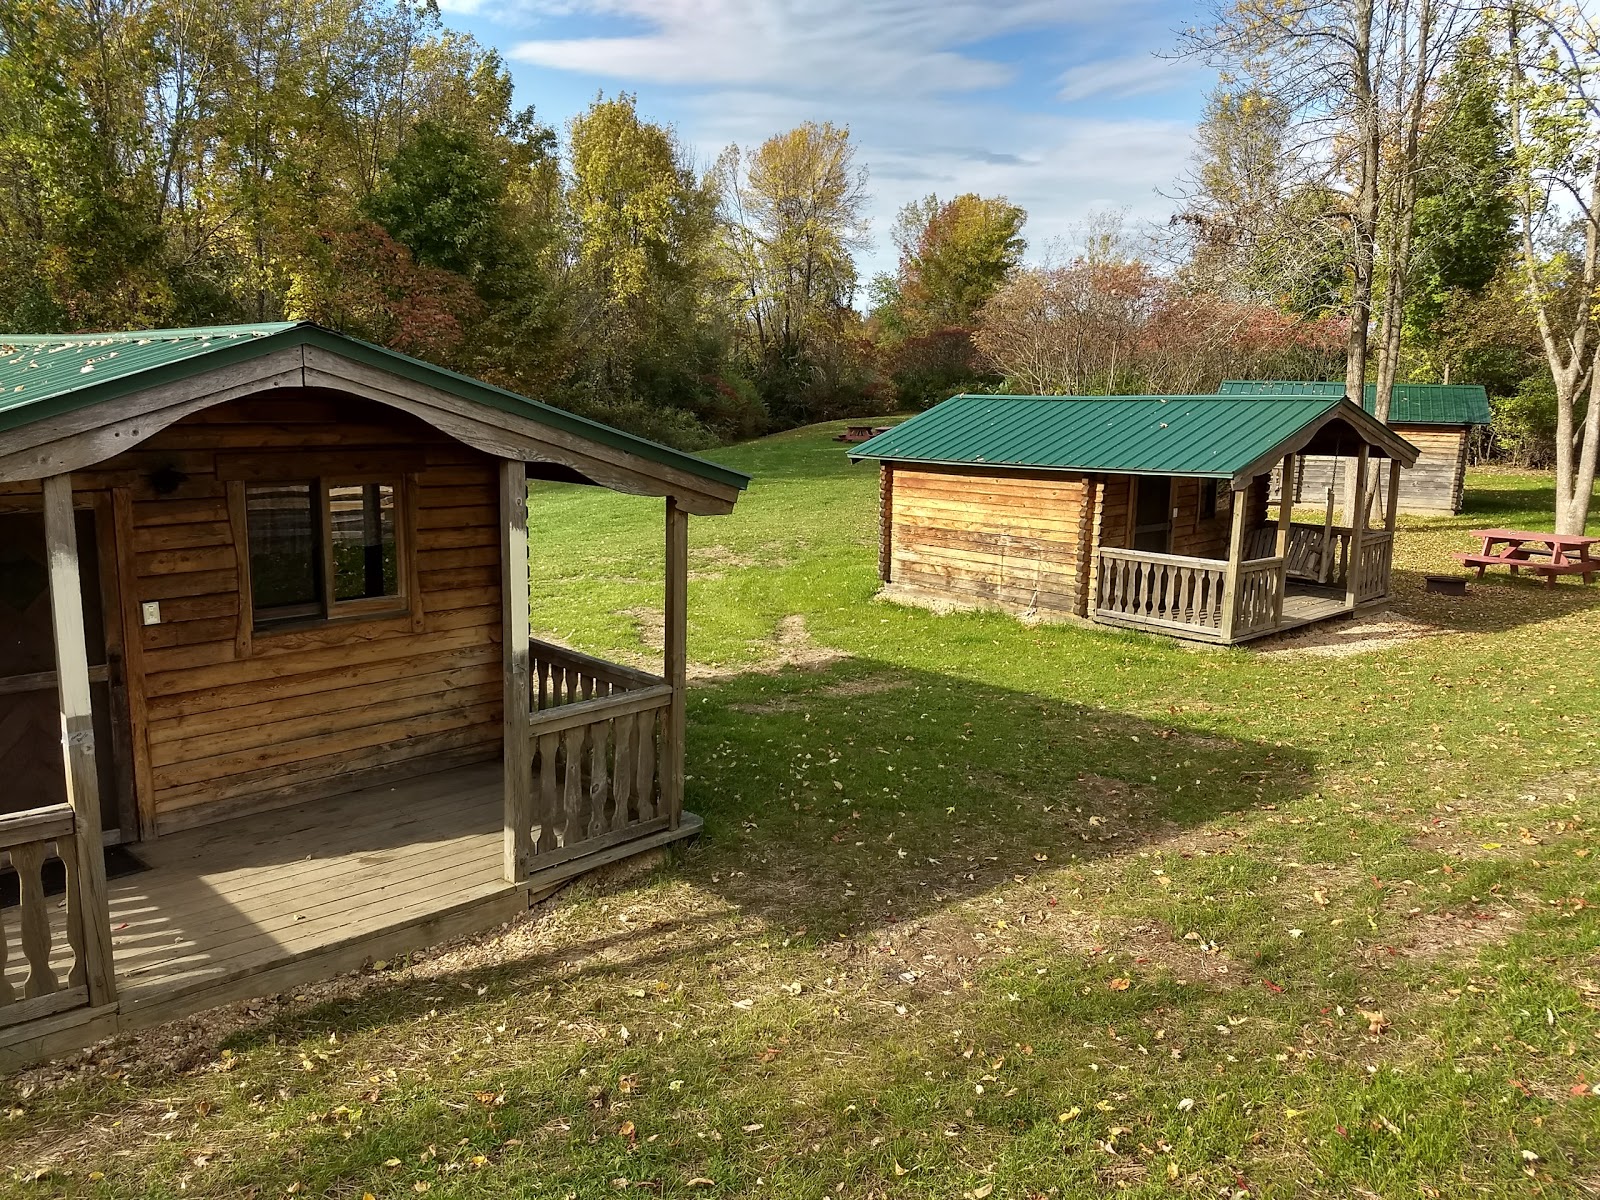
(1152, 513)
(31, 770)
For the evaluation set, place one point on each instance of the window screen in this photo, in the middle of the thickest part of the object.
(282, 520)
(365, 552)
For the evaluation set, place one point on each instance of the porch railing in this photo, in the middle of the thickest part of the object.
(1162, 590)
(596, 730)
(1187, 596)
(1258, 597)
(41, 988)
(1377, 561)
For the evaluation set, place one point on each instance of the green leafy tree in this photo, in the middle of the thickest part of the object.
(954, 255)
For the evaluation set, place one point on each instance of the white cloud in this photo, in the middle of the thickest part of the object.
(809, 46)
(943, 96)
(1130, 75)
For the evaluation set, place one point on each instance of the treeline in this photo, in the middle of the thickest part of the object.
(354, 162)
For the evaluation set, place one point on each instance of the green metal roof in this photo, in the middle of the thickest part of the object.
(1207, 436)
(1409, 403)
(45, 375)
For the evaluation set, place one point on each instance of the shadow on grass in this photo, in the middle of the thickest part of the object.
(1497, 603)
(846, 802)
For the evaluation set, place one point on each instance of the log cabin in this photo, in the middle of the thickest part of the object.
(264, 624)
(1436, 418)
(1145, 512)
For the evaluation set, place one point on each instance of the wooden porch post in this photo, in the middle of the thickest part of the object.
(1230, 579)
(1286, 490)
(516, 737)
(1358, 524)
(1394, 495)
(675, 667)
(91, 902)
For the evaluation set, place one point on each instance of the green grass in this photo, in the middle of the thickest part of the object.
(981, 908)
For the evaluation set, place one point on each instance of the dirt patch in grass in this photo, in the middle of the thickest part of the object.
(1437, 935)
(790, 646)
(1362, 634)
(651, 624)
(870, 685)
(713, 562)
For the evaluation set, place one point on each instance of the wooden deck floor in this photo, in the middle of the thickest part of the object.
(1302, 608)
(260, 902)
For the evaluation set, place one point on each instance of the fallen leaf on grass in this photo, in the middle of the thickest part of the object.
(982, 1190)
(1376, 1021)
(702, 1181)
(1120, 984)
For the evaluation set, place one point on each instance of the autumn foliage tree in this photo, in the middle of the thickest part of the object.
(1116, 327)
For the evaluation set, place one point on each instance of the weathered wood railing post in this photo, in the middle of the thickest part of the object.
(1358, 525)
(517, 738)
(1230, 581)
(91, 904)
(1286, 489)
(676, 660)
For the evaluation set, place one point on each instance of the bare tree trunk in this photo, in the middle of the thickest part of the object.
(1364, 212)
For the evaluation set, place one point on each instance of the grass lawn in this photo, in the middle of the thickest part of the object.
(982, 909)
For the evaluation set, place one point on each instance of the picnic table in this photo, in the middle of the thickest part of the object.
(1549, 554)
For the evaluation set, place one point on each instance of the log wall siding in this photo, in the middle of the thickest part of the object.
(1026, 541)
(1015, 539)
(885, 522)
(226, 720)
(1436, 484)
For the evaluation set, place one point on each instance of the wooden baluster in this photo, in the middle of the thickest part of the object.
(548, 809)
(622, 774)
(8, 994)
(66, 850)
(34, 920)
(644, 764)
(599, 791)
(572, 785)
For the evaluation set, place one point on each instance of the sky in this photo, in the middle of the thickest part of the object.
(1066, 107)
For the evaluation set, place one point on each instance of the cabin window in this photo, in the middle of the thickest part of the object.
(1208, 499)
(324, 549)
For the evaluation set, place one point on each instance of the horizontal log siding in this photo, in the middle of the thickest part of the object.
(1192, 535)
(1014, 539)
(1436, 484)
(236, 723)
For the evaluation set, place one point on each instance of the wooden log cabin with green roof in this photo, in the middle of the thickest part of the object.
(265, 601)
(1145, 512)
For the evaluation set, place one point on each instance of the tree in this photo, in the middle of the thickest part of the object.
(442, 196)
(794, 211)
(1464, 212)
(1258, 222)
(954, 255)
(1552, 72)
(648, 322)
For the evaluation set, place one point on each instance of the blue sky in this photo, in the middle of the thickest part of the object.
(1064, 106)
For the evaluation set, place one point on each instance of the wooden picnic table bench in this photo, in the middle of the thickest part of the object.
(1549, 554)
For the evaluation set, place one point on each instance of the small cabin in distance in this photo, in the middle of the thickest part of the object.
(1436, 418)
(1148, 512)
(273, 585)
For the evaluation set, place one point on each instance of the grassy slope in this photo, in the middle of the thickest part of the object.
(982, 908)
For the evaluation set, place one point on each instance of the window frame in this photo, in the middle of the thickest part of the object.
(330, 611)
